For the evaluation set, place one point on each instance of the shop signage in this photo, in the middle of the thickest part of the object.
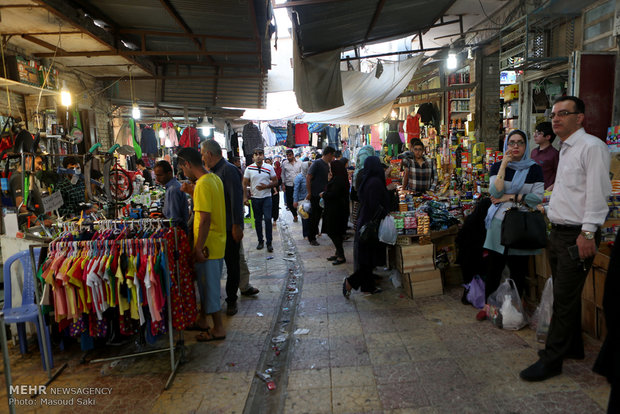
(52, 202)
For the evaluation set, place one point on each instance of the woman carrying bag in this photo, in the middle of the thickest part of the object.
(374, 205)
(516, 178)
(335, 214)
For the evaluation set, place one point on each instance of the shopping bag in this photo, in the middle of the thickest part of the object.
(475, 292)
(387, 230)
(505, 307)
(544, 311)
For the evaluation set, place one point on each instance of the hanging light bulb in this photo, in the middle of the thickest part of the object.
(451, 63)
(205, 125)
(65, 95)
(135, 111)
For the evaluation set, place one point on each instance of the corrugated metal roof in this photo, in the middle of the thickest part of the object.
(329, 26)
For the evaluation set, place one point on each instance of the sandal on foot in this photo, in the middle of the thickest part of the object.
(345, 292)
(207, 336)
(196, 327)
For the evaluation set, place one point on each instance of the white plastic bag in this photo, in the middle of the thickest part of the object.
(387, 230)
(544, 311)
(506, 299)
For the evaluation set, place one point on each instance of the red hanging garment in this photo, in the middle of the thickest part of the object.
(302, 136)
(184, 308)
(189, 138)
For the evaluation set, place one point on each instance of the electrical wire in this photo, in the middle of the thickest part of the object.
(487, 16)
(8, 95)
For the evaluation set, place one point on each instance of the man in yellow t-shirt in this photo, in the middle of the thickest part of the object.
(209, 241)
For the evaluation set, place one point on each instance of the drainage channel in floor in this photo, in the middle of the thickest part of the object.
(268, 390)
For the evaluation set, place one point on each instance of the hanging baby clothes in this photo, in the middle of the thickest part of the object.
(183, 299)
(189, 138)
(302, 136)
(148, 141)
(170, 138)
(393, 139)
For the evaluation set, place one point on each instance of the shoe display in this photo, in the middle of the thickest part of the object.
(231, 309)
(251, 291)
(260, 246)
(269, 248)
(539, 372)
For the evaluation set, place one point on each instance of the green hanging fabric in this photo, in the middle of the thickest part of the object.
(136, 144)
(26, 187)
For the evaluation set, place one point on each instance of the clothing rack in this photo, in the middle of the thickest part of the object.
(180, 345)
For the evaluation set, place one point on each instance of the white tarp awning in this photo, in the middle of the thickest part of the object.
(368, 100)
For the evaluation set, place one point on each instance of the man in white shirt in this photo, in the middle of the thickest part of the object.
(577, 210)
(260, 178)
(290, 168)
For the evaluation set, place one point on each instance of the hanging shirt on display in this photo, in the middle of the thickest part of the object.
(252, 139)
(189, 138)
(302, 136)
(170, 135)
(268, 135)
(375, 137)
(332, 136)
(148, 141)
(412, 127)
(290, 134)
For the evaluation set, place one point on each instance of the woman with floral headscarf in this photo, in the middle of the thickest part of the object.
(515, 178)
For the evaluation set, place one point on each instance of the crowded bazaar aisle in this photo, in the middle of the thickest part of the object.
(382, 353)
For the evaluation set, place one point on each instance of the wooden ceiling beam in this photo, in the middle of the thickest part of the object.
(375, 17)
(141, 32)
(126, 53)
(296, 3)
(66, 12)
(43, 43)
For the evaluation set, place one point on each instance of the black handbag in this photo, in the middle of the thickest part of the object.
(524, 229)
(370, 231)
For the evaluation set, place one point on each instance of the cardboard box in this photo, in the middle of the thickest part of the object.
(432, 287)
(588, 317)
(588, 288)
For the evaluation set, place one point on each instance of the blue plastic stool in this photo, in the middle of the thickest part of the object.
(28, 311)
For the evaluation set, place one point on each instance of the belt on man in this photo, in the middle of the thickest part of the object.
(565, 227)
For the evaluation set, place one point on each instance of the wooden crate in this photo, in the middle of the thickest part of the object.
(541, 263)
(425, 288)
(588, 317)
(421, 276)
(406, 281)
(599, 286)
(588, 288)
(601, 326)
(416, 256)
(453, 275)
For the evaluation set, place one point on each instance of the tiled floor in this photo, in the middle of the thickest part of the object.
(382, 353)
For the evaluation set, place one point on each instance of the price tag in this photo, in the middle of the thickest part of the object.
(52, 202)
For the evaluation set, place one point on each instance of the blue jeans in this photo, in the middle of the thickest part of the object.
(262, 211)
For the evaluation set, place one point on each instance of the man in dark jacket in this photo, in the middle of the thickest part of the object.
(233, 195)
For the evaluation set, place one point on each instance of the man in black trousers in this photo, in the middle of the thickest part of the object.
(577, 210)
(316, 181)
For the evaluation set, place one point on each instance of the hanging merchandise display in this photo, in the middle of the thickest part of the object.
(148, 140)
(189, 138)
(302, 135)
